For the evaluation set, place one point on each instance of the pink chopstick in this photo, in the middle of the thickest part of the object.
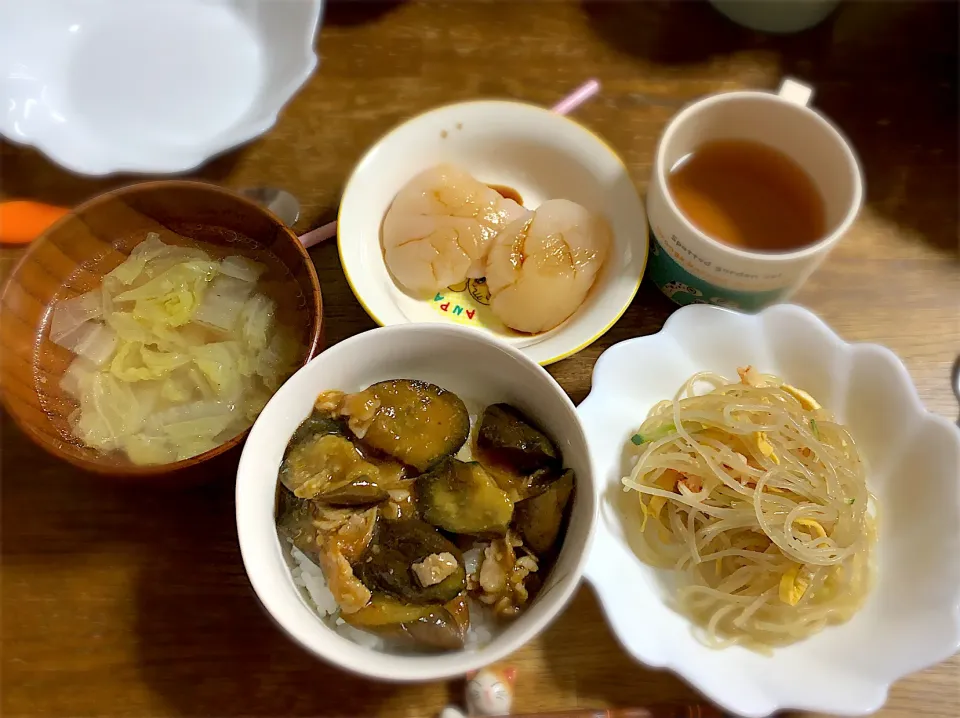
(567, 105)
(320, 234)
(576, 98)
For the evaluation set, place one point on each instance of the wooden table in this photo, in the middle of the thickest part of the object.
(119, 601)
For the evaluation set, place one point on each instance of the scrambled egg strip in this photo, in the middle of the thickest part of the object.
(667, 482)
(812, 524)
(806, 401)
(765, 447)
(793, 584)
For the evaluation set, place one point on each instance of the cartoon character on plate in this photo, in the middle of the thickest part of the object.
(476, 288)
(671, 288)
(489, 693)
(479, 290)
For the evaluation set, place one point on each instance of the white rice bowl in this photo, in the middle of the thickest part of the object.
(475, 367)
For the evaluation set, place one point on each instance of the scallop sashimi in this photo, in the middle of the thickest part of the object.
(438, 230)
(541, 267)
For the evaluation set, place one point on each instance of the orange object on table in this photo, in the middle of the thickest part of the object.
(23, 220)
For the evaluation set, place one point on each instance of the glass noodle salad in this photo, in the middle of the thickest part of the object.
(757, 497)
(176, 352)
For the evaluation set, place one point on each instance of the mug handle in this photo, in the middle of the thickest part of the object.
(795, 92)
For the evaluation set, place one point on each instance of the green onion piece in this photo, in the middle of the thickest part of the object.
(660, 433)
(850, 502)
(813, 426)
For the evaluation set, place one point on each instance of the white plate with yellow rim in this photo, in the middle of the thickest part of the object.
(533, 151)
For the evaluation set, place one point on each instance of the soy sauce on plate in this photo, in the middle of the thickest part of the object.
(507, 192)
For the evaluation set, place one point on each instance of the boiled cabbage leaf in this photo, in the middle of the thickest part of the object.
(177, 352)
(70, 314)
(92, 340)
(223, 303)
(137, 362)
(256, 321)
(242, 268)
(219, 363)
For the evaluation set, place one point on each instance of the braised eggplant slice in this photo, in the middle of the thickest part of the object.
(463, 498)
(538, 519)
(295, 522)
(362, 491)
(384, 610)
(328, 467)
(429, 625)
(413, 421)
(521, 458)
(522, 486)
(390, 472)
(509, 439)
(438, 630)
(539, 481)
(318, 423)
(402, 553)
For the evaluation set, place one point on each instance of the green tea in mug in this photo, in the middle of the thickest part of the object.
(748, 195)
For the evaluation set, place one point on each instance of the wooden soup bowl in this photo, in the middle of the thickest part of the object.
(73, 256)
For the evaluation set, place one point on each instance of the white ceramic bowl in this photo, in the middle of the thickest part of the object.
(538, 153)
(151, 86)
(911, 618)
(481, 371)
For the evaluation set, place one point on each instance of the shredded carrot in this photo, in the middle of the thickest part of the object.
(693, 483)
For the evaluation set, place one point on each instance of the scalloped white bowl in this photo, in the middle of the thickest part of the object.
(103, 86)
(911, 619)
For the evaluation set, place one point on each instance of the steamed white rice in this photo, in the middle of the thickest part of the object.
(309, 576)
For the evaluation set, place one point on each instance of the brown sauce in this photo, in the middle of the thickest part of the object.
(507, 192)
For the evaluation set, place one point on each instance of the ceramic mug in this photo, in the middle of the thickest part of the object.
(690, 266)
(776, 16)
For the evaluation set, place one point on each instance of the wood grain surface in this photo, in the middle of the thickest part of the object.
(130, 602)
